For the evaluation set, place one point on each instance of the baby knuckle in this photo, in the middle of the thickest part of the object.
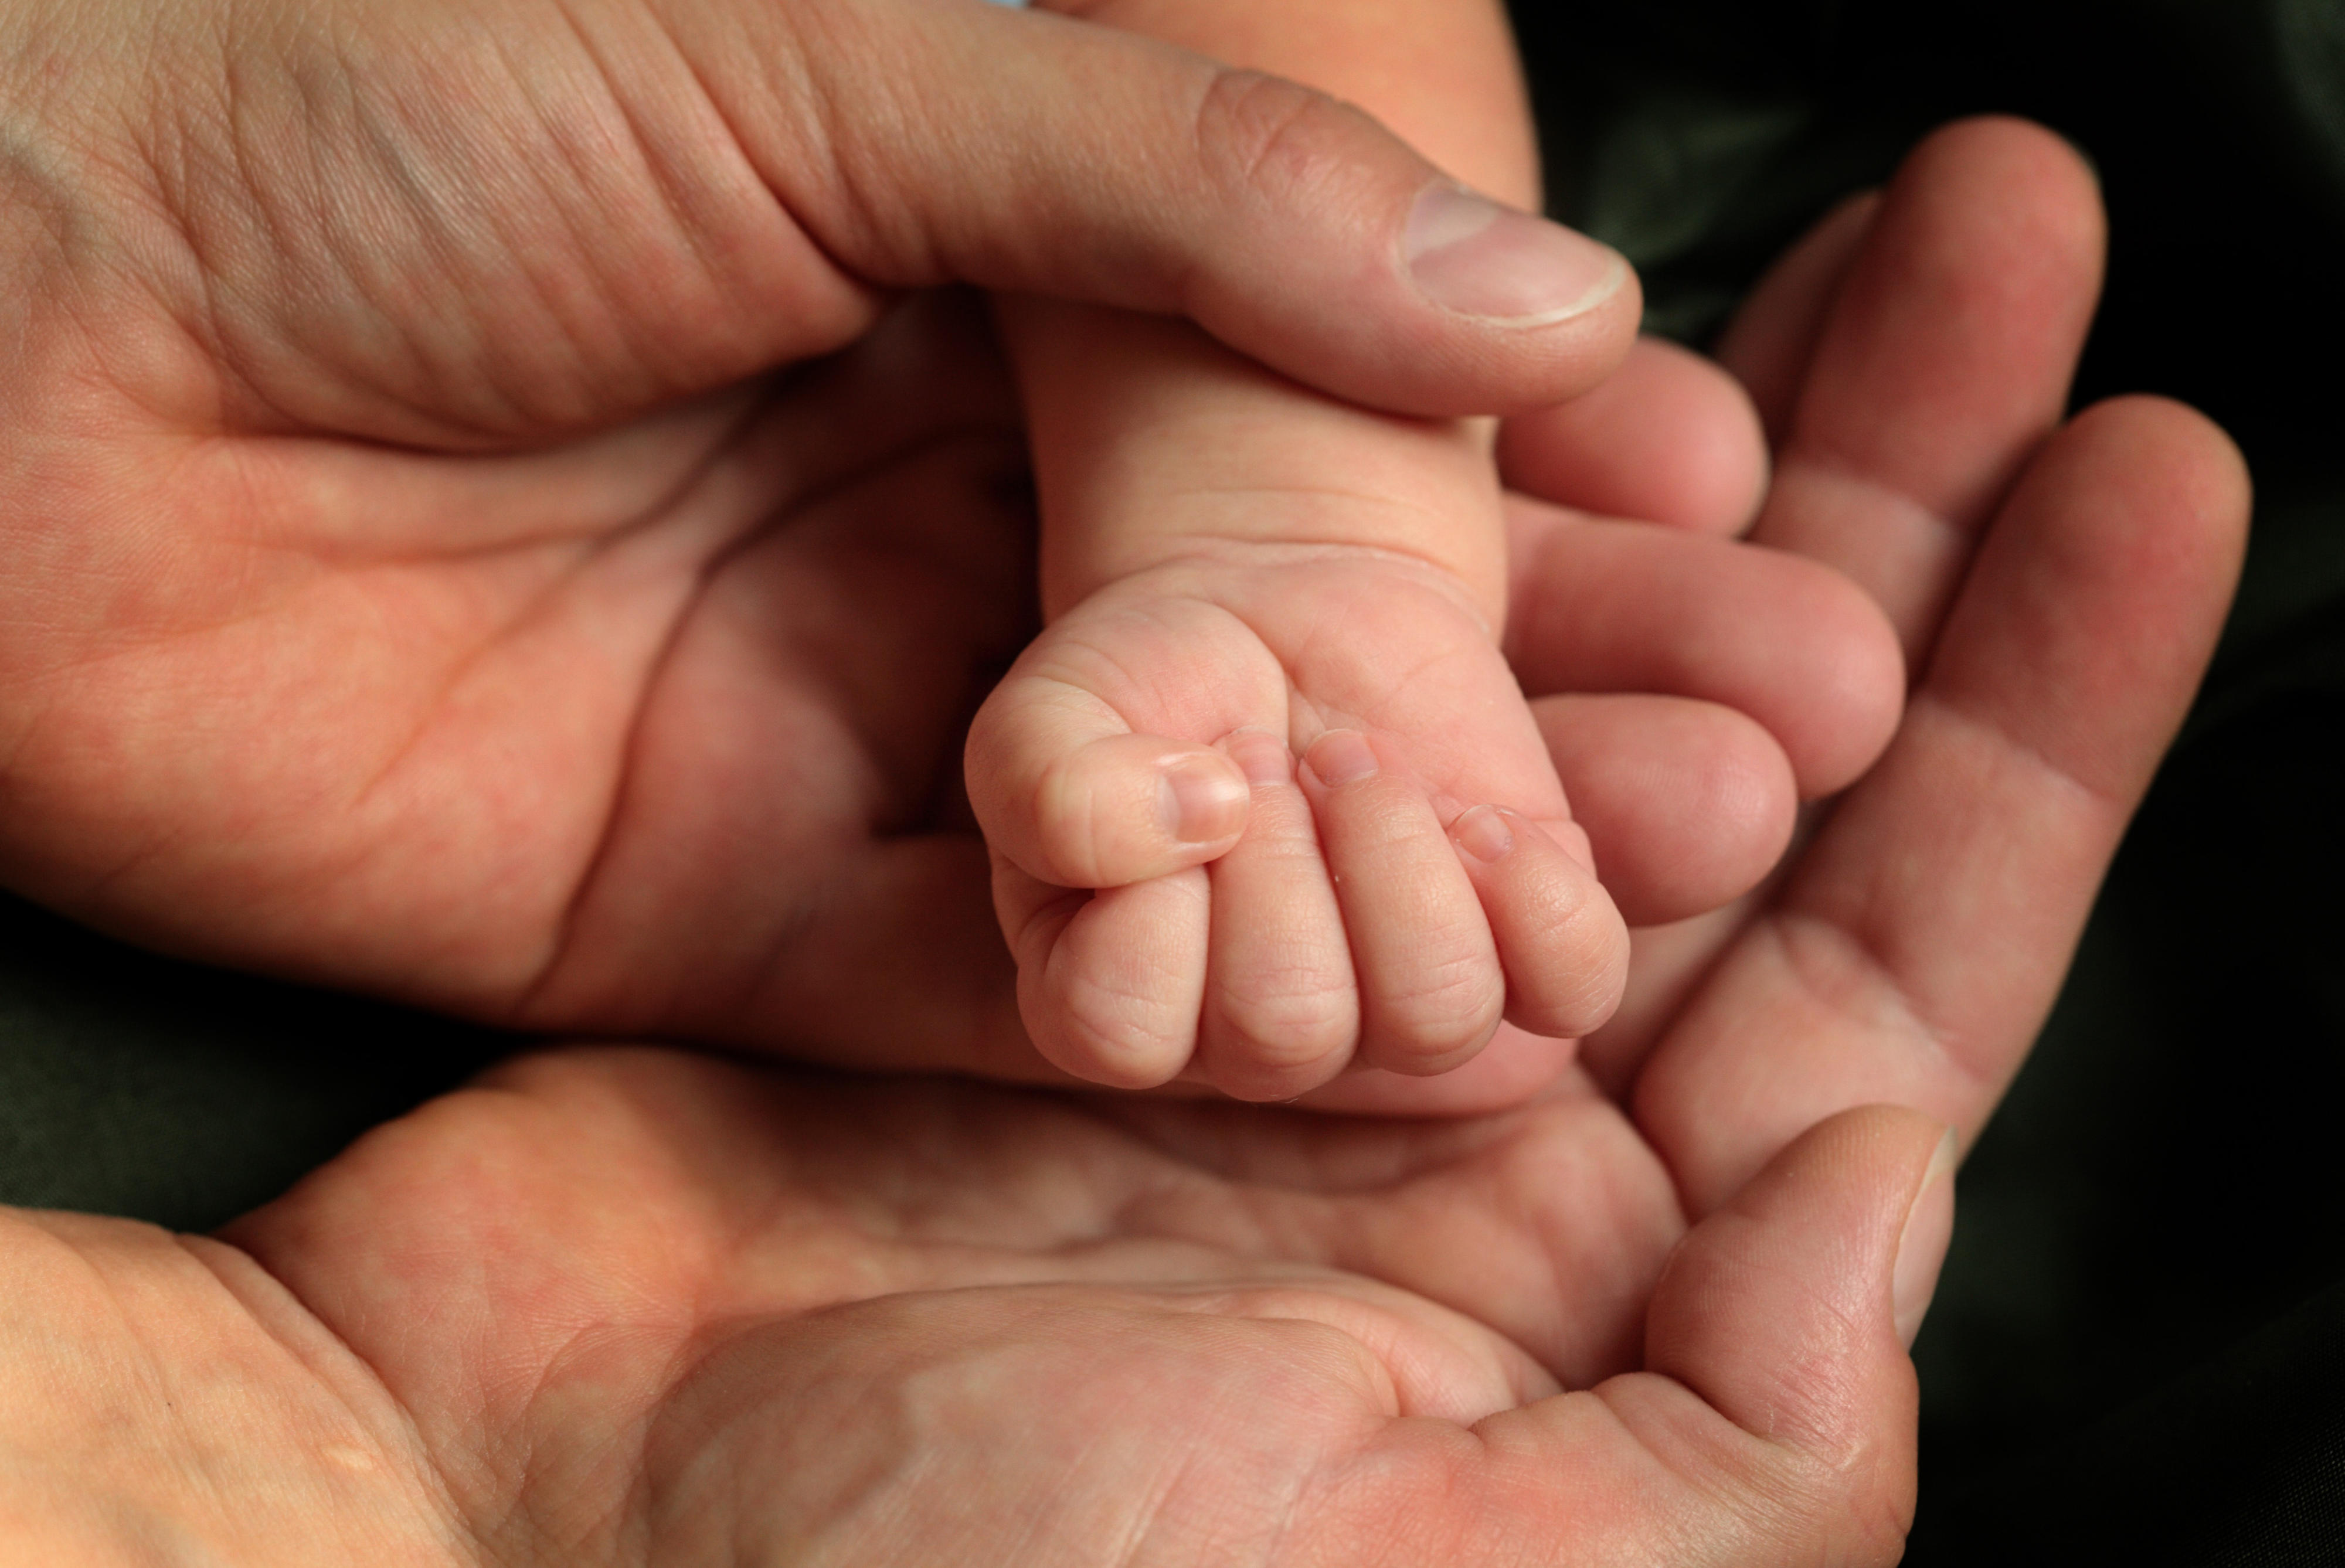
(1451, 1011)
(1075, 840)
(1111, 1037)
(1293, 1026)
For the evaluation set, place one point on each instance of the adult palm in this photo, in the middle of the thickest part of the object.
(635, 1306)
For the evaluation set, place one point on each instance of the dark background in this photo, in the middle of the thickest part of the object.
(2137, 1354)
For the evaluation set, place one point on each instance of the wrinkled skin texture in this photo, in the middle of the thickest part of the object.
(633, 1306)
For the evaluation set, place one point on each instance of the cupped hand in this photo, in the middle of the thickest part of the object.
(632, 1306)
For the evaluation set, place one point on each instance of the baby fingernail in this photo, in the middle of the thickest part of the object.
(1483, 832)
(1921, 1248)
(1341, 757)
(1261, 756)
(1199, 803)
(1470, 254)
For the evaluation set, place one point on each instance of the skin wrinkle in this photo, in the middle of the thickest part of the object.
(2104, 804)
(415, 1457)
(1768, 1503)
(667, 179)
(454, 210)
(633, 1440)
(1210, 555)
(329, 551)
(1078, 697)
(1435, 1144)
(171, 155)
(833, 176)
(436, 707)
(2001, 747)
(1401, 681)
(164, 146)
(1199, 1211)
(1248, 121)
(1091, 1003)
(1951, 538)
(346, 244)
(672, 182)
(565, 137)
(804, 104)
(1862, 965)
(158, 1385)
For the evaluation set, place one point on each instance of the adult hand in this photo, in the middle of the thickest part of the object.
(631, 1305)
(634, 1306)
(413, 585)
(2057, 587)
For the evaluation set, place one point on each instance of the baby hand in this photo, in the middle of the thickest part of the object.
(1261, 816)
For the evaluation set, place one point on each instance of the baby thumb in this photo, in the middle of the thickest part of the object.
(1069, 795)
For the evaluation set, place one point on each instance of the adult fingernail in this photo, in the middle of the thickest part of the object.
(1921, 1248)
(1261, 756)
(1483, 832)
(1470, 254)
(1200, 802)
(1341, 757)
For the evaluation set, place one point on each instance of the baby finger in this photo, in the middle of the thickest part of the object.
(1564, 946)
(1431, 991)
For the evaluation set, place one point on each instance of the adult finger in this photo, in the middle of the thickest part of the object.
(1686, 805)
(918, 142)
(1600, 606)
(1945, 363)
(1771, 342)
(1669, 438)
(1914, 953)
(1939, 360)
(1774, 1420)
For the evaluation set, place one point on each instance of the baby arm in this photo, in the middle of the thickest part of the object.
(1238, 573)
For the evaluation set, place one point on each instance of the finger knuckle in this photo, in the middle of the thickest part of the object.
(1853, 1506)
(1575, 982)
(1074, 841)
(1293, 1018)
(1112, 1034)
(1265, 137)
(1449, 1012)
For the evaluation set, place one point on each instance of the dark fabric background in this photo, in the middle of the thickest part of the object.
(2139, 1350)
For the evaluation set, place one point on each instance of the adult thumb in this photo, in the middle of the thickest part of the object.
(921, 142)
(1789, 1312)
(1774, 1419)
